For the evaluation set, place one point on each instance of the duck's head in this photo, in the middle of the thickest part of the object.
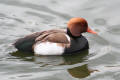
(79, 25)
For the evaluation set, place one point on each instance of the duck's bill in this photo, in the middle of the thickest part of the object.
(91, 31)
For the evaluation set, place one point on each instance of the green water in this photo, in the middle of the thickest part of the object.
(21, 17)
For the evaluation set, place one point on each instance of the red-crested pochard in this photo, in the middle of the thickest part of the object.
(57, 41)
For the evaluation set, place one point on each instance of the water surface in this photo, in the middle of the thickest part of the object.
(22, 17)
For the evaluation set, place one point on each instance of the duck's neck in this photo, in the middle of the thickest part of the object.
(70, 34)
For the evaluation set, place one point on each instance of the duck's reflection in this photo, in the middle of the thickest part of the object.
(25, 56)
(49, 60)
(81, 71)
(77, 71)
(76, 57)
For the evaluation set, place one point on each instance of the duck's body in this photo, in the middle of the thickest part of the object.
(54, 42)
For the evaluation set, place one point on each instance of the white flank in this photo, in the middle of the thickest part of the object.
(48, 48)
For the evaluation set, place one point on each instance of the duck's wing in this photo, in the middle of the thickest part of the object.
(60, 38)
(26, 43)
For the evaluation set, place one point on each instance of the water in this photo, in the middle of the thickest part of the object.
(22, 17)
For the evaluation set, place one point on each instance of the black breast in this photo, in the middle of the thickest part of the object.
(77, 44)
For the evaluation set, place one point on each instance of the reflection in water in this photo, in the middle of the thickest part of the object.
(25, 56)
(81, 71)
(78, 71)
(76, 58)
(48, 60)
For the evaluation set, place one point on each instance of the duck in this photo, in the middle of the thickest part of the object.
(57, 41)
